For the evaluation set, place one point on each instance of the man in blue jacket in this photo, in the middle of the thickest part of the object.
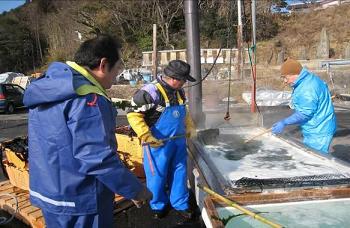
(312, 102)
(74, 168)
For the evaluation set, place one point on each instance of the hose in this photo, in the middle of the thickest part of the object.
(4, 220)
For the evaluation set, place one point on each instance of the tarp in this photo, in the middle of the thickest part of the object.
(269, 97)
(21, 81)
(8, 77)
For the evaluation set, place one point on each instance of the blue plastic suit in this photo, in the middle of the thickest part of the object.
(295, 118)
(168, 161)
(314, 112)
(74, 168)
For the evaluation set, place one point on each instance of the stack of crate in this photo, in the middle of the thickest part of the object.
(16, 161)
(130, 150)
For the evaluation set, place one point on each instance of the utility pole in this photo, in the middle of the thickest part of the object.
(254, 21)
(239, 41)
(33, 61)
(194, 59)
(253, 58)
(37, 36)
(154, 53)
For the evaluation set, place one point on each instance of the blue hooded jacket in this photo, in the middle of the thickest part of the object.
(312, 98)
(74, 167)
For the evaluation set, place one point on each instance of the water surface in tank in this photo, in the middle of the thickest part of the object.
(265, 157)
(306, 214)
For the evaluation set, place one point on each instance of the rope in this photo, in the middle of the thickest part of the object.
(229, 31)
(214, 63)
(4, 220)
(211, 68)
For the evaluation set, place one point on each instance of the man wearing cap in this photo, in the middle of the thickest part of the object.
(312, 102)
(160, 113)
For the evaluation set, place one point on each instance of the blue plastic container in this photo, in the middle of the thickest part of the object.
(133, 83)
(147, 78)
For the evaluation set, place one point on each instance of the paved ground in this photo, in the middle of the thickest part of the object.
(16, 125)
(134, 218)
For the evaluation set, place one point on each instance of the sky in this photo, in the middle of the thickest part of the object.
(7, 5)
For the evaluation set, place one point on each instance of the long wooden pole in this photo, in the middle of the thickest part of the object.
(239, 41)
(253, 59)
(238, 207)
(154, 53)
(255, 136)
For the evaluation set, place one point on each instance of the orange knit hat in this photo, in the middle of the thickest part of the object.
(291, 67)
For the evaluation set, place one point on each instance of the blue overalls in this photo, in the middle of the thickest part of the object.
(166, 166)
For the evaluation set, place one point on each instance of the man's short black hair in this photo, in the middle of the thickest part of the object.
(92, 51)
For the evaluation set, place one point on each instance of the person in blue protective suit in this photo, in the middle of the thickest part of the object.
(312, 103)
(74, 168)
(162, 121)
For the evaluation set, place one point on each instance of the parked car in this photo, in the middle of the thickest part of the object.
(9, 76)
(11, 97)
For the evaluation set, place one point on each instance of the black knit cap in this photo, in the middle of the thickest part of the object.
(178, 69)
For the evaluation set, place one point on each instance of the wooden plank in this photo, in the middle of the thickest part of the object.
(32, 215)
(28, 210)
(36, 214)
(25, 212)
(118, 198)
(291, 196)
(21, 203)
(6, 187)
(212, 213)
(12, 201)
(4, 183)
(122, 205)
(38, 223)
(24, 205)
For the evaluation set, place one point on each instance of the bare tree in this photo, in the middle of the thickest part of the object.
(130, 16)
(59, 27)
(166, 12)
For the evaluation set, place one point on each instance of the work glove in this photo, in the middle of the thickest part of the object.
(138, 123)
(148, 138)
(295, 118)
(191, 131)
(142, 197)
(278, 127)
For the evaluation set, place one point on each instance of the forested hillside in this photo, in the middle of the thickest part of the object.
(46, 30)
(299, 34)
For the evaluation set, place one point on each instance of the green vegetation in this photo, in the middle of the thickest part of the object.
(47, 30)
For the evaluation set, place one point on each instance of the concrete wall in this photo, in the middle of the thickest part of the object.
(207, 56)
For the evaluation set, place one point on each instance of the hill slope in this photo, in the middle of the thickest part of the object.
(302, 31)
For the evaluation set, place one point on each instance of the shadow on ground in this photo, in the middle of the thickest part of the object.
(142, 217)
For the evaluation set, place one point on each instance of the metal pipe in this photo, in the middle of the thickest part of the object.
(253, 59)
(193, 58)
(334, 62)
(254, 20)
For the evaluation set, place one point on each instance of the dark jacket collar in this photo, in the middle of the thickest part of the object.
(165, 85)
